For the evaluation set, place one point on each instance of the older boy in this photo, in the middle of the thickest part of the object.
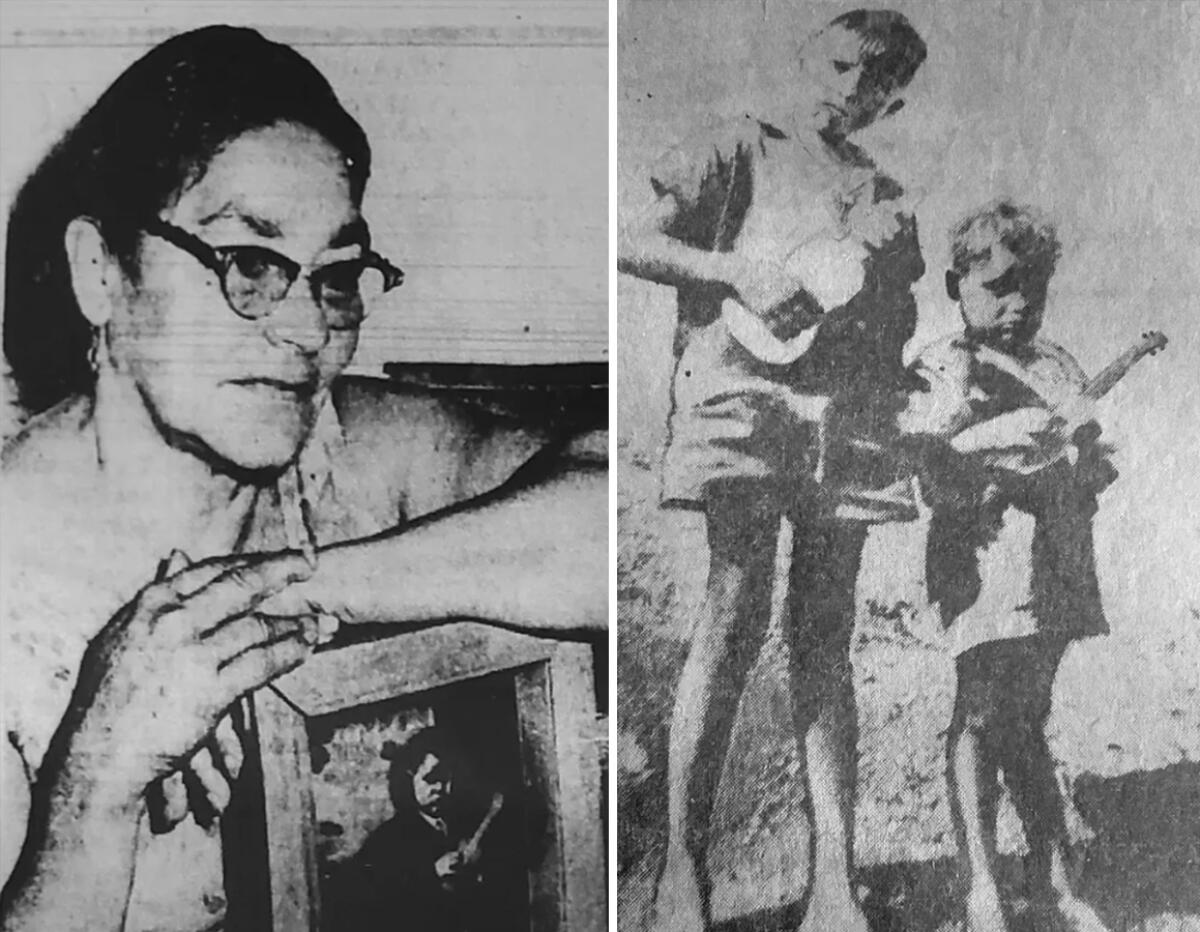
(792, 258)
(1009, 558)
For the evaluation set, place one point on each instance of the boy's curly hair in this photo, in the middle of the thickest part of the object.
(1019, 229)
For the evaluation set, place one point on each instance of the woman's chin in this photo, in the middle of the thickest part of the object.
(264, 449)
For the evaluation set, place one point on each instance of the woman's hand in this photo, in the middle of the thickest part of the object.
(211, 771)
(156, 680)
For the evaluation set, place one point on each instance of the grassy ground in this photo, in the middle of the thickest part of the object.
(1126, 731)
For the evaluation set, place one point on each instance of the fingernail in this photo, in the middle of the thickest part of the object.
(310, 631)
(301, 568)
(176, 561)
(327, 628)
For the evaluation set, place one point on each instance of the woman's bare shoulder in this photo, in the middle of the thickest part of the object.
(48, 475)
(432, 448)
(49, 443)
(374, 411)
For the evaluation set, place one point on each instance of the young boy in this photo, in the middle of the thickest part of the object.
(1009, 556)
(793, 258)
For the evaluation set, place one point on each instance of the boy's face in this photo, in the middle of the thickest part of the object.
(431, 785)
(1001, 301)
(831, 66)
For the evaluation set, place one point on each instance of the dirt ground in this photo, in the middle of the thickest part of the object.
(1125, 730)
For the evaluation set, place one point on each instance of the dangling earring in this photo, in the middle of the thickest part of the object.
(93, 356)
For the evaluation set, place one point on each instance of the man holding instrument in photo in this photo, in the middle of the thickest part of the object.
(793, 258)
(1012, 469)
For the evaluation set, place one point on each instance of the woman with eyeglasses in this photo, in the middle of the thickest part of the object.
(199, 492)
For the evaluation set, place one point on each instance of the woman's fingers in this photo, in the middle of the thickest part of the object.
(261, 664)
(174, 801)
(236, 592)
(239, 635)
(228, 744)
(211, 780)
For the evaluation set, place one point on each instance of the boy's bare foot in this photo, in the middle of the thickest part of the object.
(825, 913)
(1077, 916)
(677, 905)
(984, 913)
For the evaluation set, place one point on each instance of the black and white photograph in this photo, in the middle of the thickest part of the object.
(305, 409)
(449, 775)
(908, 621)
(439, 836)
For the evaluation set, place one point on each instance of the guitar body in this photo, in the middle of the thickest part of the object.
(1057, 445)
(753, 335)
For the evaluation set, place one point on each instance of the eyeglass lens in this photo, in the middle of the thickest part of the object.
(257, 279)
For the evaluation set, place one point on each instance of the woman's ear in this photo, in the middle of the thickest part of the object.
(94, 271)
(952, 285)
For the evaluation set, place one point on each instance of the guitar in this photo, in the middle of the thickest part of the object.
(1066, 416)
(833, 270)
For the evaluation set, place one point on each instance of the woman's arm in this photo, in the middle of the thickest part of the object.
(532, 553)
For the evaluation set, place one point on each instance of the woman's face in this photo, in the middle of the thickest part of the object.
(247, 391)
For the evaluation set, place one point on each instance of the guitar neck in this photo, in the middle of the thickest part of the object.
(489, 817)
(1099, 386)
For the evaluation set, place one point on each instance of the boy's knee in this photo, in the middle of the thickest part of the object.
(978, 698)
(743, 524)
(974, 714)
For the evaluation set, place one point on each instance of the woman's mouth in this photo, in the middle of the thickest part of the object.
(300, 390)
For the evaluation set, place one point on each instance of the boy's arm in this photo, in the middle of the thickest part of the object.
(943, 409)
(944, 419)
(761, 276)
(644, 250)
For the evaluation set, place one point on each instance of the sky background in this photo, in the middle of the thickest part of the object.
(1087, 110)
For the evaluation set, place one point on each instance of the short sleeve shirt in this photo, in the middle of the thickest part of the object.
(1002, 544)
(744, 179)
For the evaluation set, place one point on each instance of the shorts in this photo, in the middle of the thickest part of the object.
(738, 426)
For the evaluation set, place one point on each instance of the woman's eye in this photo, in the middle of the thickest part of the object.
(339, 281)
(250, 262)
(841, 67)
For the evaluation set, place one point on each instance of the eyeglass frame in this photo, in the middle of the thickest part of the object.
(208, 256)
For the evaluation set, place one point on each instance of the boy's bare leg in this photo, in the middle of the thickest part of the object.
(1030, 775)
(825, 563)
(972, 774)
(726, 640)
(973, 783)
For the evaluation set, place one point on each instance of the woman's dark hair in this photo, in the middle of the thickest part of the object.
(149, 136)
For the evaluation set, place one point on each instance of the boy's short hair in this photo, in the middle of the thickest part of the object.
(891, 50)
(1030, 237)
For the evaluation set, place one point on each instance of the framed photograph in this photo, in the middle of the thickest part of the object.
(449, 775)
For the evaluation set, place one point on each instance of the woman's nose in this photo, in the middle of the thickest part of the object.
(299, 321)
(1015, 303)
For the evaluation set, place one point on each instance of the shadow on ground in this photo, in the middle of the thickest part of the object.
(1141, 872)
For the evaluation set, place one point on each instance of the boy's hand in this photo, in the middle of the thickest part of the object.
(1094, 471)
(876, 224)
